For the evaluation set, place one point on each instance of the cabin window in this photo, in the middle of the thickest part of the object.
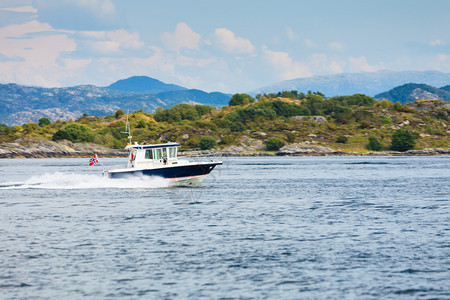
(172, 152)
(148, 154)
(157, 154)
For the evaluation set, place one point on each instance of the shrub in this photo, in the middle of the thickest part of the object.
(273, 144)
(364, 124)
(207, 142)
(290, 137)
(17, 128)
(227, 140)
(374, 144)
(240, 99)
(331, 126)
(385, 104)
(193, 142)
(181, 112)
(442, 114)
(30, 127)
(386, 120)
(237, 127)
(44, 121)
(342, 139)
(79, 133)
(61, 135)
(4, 129)
(403, 140)
(119, 113)
(288, 109)
(141, 124)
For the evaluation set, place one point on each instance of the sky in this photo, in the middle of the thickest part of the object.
(228, 46)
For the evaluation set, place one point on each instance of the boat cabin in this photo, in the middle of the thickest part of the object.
(147, 156)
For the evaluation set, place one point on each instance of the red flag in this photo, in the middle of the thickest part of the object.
(93, 160)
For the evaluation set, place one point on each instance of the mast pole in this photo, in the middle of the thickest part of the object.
(128, 130)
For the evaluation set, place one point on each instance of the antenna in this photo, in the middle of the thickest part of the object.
(128, 130)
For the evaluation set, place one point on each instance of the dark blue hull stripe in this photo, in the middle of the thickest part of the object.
(169, 172)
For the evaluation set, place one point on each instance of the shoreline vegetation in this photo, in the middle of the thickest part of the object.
(288, 123)
(37, 148)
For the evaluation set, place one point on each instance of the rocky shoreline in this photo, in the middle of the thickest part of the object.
(36, 148)
(312, 150)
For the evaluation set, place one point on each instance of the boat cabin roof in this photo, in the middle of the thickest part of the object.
(166, 145)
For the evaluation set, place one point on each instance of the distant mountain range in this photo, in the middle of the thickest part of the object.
(22, 104)
(371, 83)
(144, 84)
(412, 91)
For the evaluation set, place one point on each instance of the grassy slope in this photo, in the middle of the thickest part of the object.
(384, 119)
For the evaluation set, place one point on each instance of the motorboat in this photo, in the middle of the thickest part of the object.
(161, 160)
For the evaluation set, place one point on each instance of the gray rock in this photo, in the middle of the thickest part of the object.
(302, 149)
(314, 119)
(250, 144)
(36, 148)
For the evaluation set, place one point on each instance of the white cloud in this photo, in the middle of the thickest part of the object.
(335, 67)
(79, 15)
(21, 9)
(36, 50)
(359, 64)
(290, 34)
(126, 40)
(226, 39)
(108, 43)
(321, 64)
(183, 37)
(286, 67)
(336, 46)
(437, 42)
(443, 57)
(309, 43)
(75, 64)
(186, 61)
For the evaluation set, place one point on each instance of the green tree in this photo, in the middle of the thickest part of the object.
(207, 142)
(203, 109)
(240, 99)
(342, 139)
(44, 121)
(273, 144)
(290, 137)
(141, 124)
(285, 109)
(79, 133)
(61, 135)
(403, 140)
(398, 106)
(237, 126)
(30, 127)
(4, 129)
(119, 113)
(374, 144)
(314, 103)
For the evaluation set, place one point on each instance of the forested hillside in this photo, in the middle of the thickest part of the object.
(346, 123)
(412, 91)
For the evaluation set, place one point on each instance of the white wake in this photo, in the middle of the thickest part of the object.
(67, 181)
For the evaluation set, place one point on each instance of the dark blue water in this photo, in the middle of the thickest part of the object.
(285, 228)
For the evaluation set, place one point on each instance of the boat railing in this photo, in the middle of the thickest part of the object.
(201, 155)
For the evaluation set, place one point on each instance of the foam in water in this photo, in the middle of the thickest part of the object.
(66, 181)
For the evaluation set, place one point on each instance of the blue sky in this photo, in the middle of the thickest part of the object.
(228, 46)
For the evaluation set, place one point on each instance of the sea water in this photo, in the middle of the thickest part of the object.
(256, 228)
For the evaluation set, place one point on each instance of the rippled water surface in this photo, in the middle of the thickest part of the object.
(271, 227)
